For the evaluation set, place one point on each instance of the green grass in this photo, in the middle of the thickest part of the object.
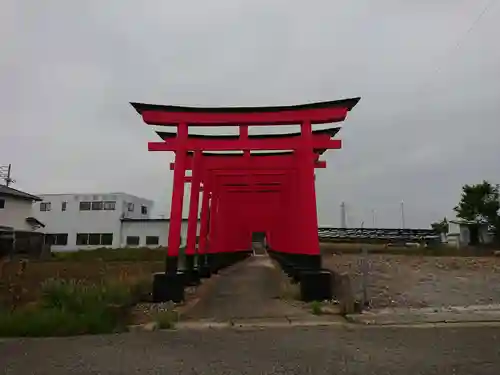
(71, 308)
(167, 319)
(127, 254)
(111, 255)
(316, 308)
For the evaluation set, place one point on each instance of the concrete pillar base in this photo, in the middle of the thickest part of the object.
(192, 277)
(171, 264)
(204, 271)
(315, 286)
(168, 287)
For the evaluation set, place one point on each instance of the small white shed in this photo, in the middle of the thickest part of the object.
(465, 233)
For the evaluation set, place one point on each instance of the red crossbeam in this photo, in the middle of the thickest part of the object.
(287, 117)
(242, 144)
(254, 162)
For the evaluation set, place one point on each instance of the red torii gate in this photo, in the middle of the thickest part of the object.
(190, 150)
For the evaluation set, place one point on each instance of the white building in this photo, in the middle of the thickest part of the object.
(90, 221)
(149, 232)
(16, 210)
(465, 233)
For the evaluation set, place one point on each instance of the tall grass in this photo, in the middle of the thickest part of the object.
(71, 308)
(112, 255)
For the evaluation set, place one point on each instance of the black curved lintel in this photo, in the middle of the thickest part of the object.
(342, 103)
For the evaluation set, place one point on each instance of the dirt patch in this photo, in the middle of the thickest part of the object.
(422, 281)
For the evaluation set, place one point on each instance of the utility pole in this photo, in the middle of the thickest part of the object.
(5, 171)
(402, 215)
(343, 219)
(374, 219)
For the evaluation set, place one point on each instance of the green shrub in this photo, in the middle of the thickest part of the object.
(167, 319)
(316, 308)
(70, 308)
(141, 290)
(79, 297)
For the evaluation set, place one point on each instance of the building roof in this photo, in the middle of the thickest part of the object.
(10, 192)
(467, 222)
(34, 221)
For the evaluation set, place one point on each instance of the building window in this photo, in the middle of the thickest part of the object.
(94, 239)
(152, 240)
(97, 206)
(130, 207)
(107, 239)
(2, 203)
(84, 206)
(63, 206)
(132, 240)
(109, 205)
(144, 210)
(82, 238)
(45, 206)
(58, 239)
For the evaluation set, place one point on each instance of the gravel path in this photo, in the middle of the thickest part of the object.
(249, 290)
(365, 351)
(424, 281)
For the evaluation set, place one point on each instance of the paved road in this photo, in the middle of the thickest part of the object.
(314, 350)
(248, 290)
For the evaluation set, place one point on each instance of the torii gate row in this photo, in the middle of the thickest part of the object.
(230, 162)
(169, 286)
(214, 168)
(264, 181)
(240, 163)
(256, 161)
(241, 206)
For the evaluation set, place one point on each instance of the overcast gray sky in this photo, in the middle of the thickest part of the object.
(427, 123)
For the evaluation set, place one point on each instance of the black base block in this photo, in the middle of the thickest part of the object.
(189, 261)
(214, 263)
(192, 277)
(204, 271)
(202, 260)
(168, 287)
(304, 261)
(171, 265)
(315, 286)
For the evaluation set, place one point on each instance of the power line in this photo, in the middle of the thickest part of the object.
(459, 43)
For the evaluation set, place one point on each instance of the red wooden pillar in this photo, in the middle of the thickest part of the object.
(308, 211)
(174, 232)
(193, 205)
(205, 207)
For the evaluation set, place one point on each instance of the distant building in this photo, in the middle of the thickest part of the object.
(16, 210)
(20, 232)
(468, 233)
(90, 221)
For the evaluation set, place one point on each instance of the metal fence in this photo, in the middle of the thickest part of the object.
(22, 243)
(378, 235)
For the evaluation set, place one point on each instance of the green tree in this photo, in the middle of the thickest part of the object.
(441, 226)
(480, 203)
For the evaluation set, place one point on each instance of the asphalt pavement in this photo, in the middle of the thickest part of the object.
(294, 350)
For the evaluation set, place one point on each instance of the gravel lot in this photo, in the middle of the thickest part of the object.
(423, 281)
